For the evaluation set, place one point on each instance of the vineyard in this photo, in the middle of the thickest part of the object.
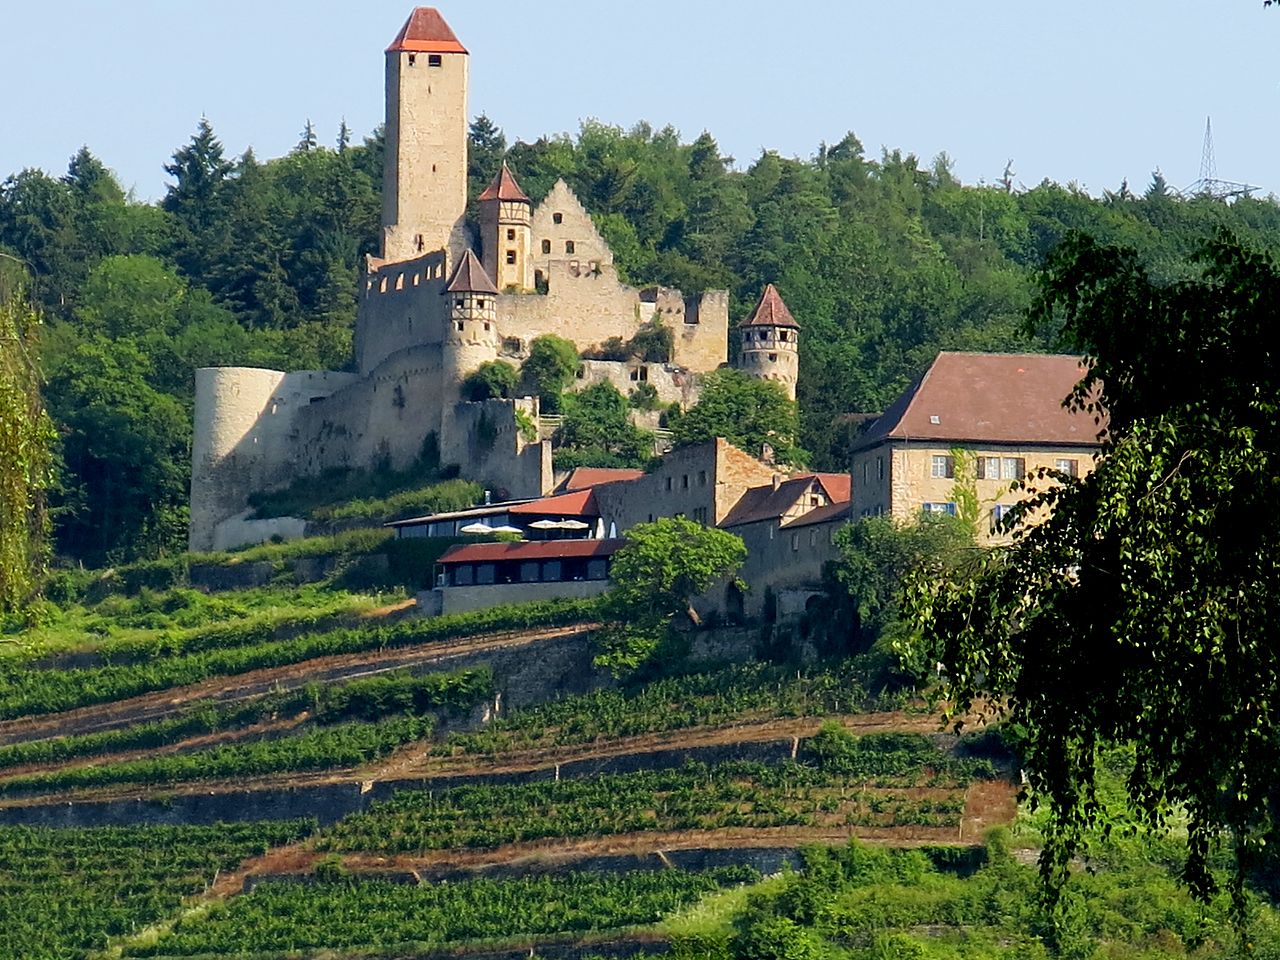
(275, 918)
(383, 713)
(31, 692)
(735, 694)
(65, 892)
(694, 797)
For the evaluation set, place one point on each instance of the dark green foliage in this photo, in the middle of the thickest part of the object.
(749, 413)
(861, 608)
(549, 369)
(374, 913)
(492, 380)
(1141, 612)
(64, 893)
(597, 431)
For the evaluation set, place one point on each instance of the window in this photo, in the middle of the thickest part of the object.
(551, 571)
(486, 573)
(582, 373)
(813, 536)
(1070, 467)
(486, 326)
(1012, 468)
(480, 304)
(773, 357)
(461, 325)
(635, 374)
(669, 479)
(880, 469)
(464, 575)
(597, 569)
(557, 218)
(702, 478)
(644, 374)
(795, 542)
(511, 257)
(700, 515)
(948, 508)
(529, 572)
(435, 60)
(684, 482)
(413, 59)
(942, 467)
(511, 234)
(987, 468)
(864, 471)
(512, 345)
(772, 528)
(569, 246)
(546, 246)
(999, 512)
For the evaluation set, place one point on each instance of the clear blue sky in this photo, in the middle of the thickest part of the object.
(1092, 91)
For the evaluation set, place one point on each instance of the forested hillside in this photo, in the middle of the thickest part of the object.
(884, 261)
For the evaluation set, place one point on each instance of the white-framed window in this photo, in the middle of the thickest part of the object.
(1012, 468)
(949, 508)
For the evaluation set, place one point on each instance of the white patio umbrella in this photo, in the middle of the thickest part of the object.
(477, 527)
(545, 525)
(574, 525)
(507, 528)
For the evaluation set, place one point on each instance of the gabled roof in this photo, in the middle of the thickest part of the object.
(580, 503)
(989, 398)
(504, 187)
(839, 486)
(766, 502)
(425, 32)
(469, 276)
(770, 311)
(583, 478)
(831, 512)
(530, 550)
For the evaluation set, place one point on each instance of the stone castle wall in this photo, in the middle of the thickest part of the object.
(402, 305)
(243, 437)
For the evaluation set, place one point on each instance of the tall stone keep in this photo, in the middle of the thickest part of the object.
(506, 218)
(424, 195)
(770, 342)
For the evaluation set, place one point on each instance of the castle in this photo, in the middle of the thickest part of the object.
(445, 296)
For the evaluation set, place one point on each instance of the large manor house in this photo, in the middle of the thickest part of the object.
(446, 295)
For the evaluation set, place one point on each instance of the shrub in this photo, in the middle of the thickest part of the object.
(492, 380)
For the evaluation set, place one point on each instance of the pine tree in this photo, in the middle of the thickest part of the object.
(344, 136)
(308, 137)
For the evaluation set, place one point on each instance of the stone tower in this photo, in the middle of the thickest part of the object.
(506, 232)
(770, 342)
(471, 334)
(424, 193)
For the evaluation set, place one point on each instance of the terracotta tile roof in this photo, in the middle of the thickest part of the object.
(988, 398)
(532, 550)
(469, 277)
(839, 486)
(770, 311)
(581, 478)
(504, 187)
(425, 32)
(831, 512)
(766, 503)
(579, 503)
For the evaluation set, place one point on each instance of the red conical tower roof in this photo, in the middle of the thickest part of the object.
(504, 187)
(425, 32)
(469, 277)
(771, 311)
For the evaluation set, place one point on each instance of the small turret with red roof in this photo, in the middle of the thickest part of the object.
(770, 342)
(506, 232)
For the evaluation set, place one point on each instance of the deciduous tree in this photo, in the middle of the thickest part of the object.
(1142, 611)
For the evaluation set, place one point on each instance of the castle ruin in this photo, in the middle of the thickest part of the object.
(431, 311)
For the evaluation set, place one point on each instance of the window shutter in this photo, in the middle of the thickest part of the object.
(951, 468)
(1022, 468)
(980, 468)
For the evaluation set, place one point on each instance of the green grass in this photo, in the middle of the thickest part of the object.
(124, 626)
(380, 496)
